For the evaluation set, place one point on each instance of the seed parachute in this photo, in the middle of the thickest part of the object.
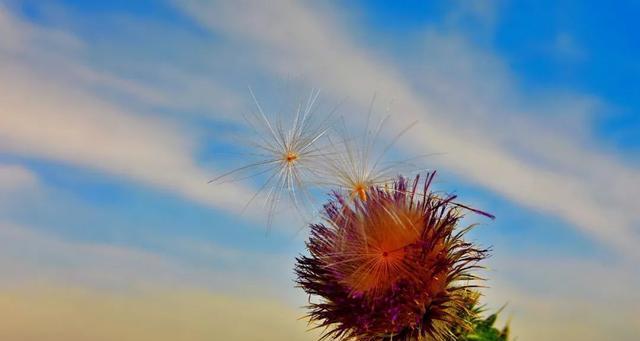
(285, 153)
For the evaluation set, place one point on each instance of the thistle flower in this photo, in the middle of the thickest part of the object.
(392, 267)
(287, 157)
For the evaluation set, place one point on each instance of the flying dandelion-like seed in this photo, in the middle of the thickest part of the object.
(392, 267)
(358, 164)
(286, 154)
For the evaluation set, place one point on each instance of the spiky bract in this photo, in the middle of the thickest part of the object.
(394, 266)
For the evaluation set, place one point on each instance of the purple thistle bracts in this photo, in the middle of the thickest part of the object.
(392, 267)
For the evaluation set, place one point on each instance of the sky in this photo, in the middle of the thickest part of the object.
(115, 114)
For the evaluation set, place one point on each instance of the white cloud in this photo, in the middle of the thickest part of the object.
(48, 112)
(44, 118)
(15, 177)
(36, 255)
(29, 256)
(148, 80)
(567, 299)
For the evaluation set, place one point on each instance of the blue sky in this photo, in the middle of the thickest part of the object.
(115, 115)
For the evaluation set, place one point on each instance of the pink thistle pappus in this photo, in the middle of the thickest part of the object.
(392, 267)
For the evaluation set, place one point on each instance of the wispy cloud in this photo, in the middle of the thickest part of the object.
(15, 177)
(48, 112)
(35, 255)
(567, 298)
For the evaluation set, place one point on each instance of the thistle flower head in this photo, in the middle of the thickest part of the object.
(392, 267)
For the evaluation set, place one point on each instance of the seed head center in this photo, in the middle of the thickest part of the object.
(361, 191)
(290, 157)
